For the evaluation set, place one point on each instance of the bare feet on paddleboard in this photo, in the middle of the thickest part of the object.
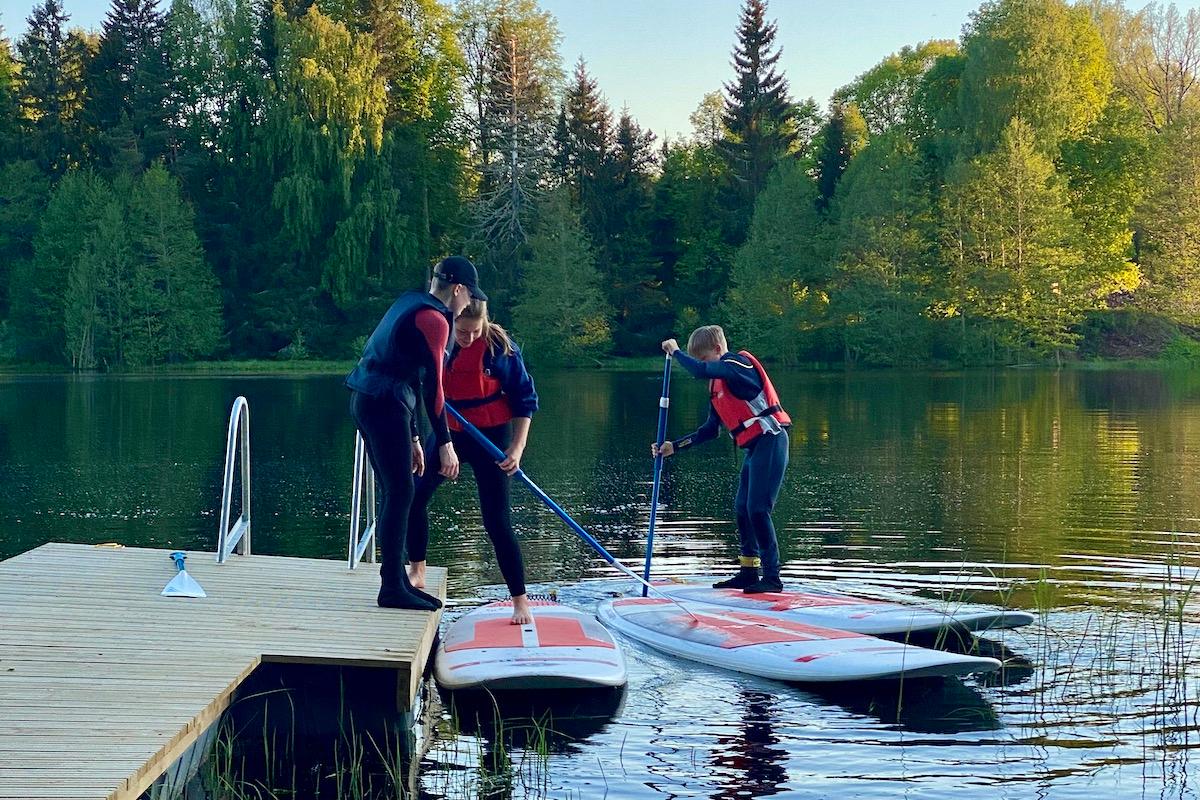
(522, 613)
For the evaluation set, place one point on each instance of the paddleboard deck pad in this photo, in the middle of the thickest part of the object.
(771, 647)
(849, 613)
(562, 648)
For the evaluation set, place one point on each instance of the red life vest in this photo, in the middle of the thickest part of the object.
(746, 420)
(474, 392)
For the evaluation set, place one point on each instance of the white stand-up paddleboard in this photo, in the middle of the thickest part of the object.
(777, 648)
(562, 649)
(849, 613)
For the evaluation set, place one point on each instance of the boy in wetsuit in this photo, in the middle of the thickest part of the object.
(743, 400)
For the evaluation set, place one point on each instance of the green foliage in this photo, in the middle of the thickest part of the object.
(843, 137)
(1018, 268)
(1183, 350)
(24, 189)
(1170, 223)
(118, 277)
(778, 288)
(561, 317)
(884, 256)
(884, 94)
(1041, 60)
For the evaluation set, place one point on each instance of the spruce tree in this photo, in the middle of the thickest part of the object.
(641, 308)
(758, 111)
(51, 83)
(842, 138)
(587, 148)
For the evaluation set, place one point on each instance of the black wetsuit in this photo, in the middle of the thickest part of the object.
(408, 343)
(493, 484)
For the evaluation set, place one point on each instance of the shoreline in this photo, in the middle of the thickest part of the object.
(619, 364)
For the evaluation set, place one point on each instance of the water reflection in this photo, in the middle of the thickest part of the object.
(750, 763)
(1068, 494)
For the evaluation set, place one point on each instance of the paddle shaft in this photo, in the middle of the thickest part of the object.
(499, 455)
(664, 402)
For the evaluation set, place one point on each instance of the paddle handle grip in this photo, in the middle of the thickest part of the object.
(179, 557)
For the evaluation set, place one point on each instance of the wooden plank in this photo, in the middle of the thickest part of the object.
(99, 672)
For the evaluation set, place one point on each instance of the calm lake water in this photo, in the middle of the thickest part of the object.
(1073, 495)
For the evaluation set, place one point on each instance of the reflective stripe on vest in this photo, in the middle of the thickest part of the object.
(473, 390)
(746, 420)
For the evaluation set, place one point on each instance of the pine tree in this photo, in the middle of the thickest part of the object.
(758, 112)
(52, 86)
(40, 286)
(884, 254)
(180, 312)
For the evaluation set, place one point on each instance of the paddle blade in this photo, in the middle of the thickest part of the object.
(183, 585)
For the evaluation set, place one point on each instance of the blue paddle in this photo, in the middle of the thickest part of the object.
(664, 402)
(499, 456)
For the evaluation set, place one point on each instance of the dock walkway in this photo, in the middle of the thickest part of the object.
(104, 683)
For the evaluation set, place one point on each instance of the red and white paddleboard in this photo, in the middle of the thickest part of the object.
(777, 648)
(849, 613)
(562, 649)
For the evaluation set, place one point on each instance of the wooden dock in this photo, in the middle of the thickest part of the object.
(104, 683)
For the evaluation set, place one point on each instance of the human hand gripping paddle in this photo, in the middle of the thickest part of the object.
(664, 402)
(498, 455)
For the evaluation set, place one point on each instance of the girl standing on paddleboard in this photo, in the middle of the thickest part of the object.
(487, 382)
(744, 401)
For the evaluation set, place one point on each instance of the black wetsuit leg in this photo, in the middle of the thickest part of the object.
(385, 425)
(495, 502)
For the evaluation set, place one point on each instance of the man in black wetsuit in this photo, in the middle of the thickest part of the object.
(404, 356)
(745, 402)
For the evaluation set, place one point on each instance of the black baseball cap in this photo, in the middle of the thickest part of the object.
(458, 269)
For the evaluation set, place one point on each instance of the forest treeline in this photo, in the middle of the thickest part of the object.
(260, 178)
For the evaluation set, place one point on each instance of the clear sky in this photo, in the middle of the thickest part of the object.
(659, 57)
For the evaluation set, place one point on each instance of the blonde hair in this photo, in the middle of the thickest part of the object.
(706, 338)
(496, 337)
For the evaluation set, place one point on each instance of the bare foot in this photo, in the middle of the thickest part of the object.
(522, 613)
(416, 574)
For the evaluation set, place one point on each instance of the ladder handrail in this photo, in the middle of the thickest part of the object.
(363, 481)
(238, 537)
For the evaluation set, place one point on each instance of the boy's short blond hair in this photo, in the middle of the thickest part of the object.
(706, 338)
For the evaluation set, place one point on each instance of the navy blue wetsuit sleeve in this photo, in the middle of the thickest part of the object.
(517, 384)
(737, 372)
(706, 432)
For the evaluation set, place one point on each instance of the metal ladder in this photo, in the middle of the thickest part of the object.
(362, 543)
(237, 538)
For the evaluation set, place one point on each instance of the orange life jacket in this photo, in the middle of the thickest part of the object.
(746, 420)
(473, 390)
